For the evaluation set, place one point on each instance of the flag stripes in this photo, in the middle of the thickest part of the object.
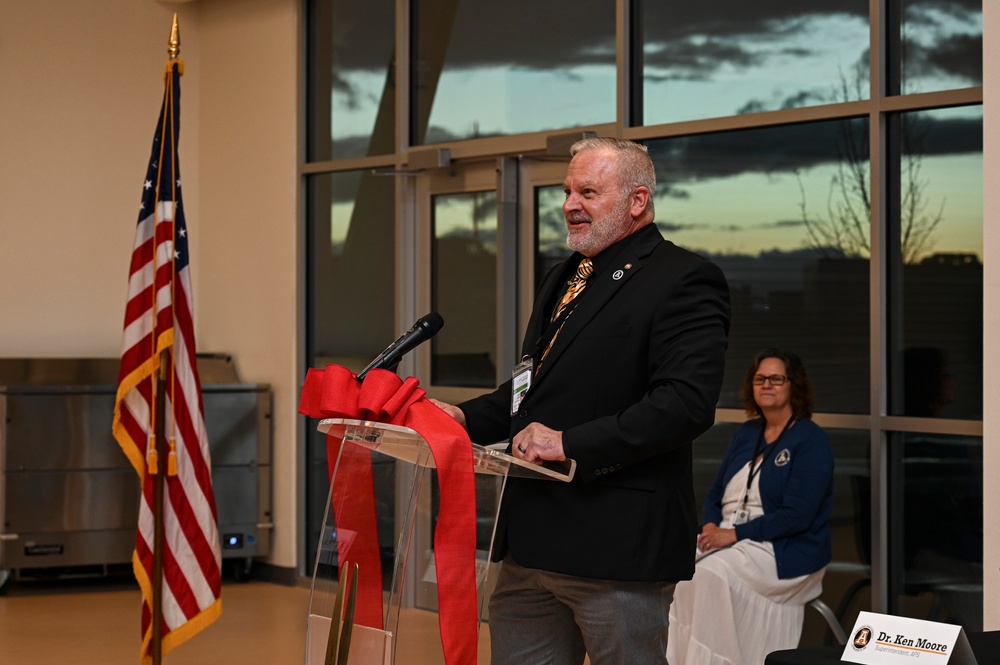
(159, 330)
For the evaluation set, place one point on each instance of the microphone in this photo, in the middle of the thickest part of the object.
(425, 328)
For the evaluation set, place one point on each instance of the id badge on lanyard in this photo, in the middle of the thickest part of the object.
(522, 381)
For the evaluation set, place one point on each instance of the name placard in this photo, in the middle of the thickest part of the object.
(882, 639)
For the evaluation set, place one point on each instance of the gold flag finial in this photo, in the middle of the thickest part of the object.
(174, 48)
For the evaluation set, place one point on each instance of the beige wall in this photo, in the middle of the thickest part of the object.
(80, 88)
(248, 165)
(991, 315)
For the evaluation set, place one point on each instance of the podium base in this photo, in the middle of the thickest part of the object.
(369, 646)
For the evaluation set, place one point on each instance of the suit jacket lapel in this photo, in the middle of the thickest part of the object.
(600, 289)
(551, 289)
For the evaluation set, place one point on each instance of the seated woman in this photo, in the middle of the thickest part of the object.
(765, 542)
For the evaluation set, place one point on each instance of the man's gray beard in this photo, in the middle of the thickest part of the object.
(603, 232)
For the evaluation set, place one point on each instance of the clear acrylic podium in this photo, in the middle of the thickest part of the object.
(405, 503)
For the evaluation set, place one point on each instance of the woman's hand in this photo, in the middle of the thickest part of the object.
(712, 537)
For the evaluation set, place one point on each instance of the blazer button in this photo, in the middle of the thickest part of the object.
(523, 413)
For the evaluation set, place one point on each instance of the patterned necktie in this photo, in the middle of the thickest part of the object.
(576, 286)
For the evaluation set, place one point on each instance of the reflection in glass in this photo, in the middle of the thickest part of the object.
(772, 207)
(847, 581)
(488, 492)
(936, 521)
(941, 44)
(351, 222)
(464, 289)
(486, 68)
(936, 264)
(730, 57)
(550, 234)
(350, 85)
(350, 313)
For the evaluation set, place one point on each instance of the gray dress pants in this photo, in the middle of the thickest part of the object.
(543, 618)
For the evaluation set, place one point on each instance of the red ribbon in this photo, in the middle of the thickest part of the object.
(383, 397)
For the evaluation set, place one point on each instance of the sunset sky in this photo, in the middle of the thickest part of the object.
(738, 193)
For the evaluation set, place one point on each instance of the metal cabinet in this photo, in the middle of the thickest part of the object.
(69, 497)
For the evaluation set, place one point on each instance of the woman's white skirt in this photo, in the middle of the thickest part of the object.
(735, 610)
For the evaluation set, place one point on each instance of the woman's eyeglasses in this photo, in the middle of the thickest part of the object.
(773, 379)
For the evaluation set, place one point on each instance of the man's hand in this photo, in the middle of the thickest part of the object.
(536, 442)
(450, 409)
(713, 538)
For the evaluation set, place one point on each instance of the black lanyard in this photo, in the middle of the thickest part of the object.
(754, 470)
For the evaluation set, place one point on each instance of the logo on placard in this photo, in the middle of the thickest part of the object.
(862, 638)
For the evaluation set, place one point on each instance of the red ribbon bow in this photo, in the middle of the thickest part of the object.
(383, 397)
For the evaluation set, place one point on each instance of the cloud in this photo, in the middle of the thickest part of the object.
(793, 101)
(929, 12)
(786, 149)
(687, 60)
(946, 136)
(774, 150)
(959, 57)
(674, 227)
(783, 224)
(943, 37)
(683, 39)
(548, 36)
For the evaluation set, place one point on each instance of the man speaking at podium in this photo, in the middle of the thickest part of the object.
(622, 367)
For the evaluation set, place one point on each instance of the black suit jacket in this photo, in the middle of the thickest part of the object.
(633, 377)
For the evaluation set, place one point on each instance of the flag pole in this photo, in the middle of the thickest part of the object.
(156, 641)
(159, 435)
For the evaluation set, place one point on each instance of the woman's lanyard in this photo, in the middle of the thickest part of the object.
(755, 468)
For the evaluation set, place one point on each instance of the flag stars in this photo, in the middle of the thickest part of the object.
(147, 184)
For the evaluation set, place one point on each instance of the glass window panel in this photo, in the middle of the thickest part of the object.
(941, 45)
(783, 211)
(486, 68)
(550, 236)
(351, 221)
(351, 309)
(847, 582)
(936, 528)
(351, 90)
(464, 289)
(730, 57)
(937, 277)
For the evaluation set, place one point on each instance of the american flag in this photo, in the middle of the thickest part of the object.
(191, 555)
